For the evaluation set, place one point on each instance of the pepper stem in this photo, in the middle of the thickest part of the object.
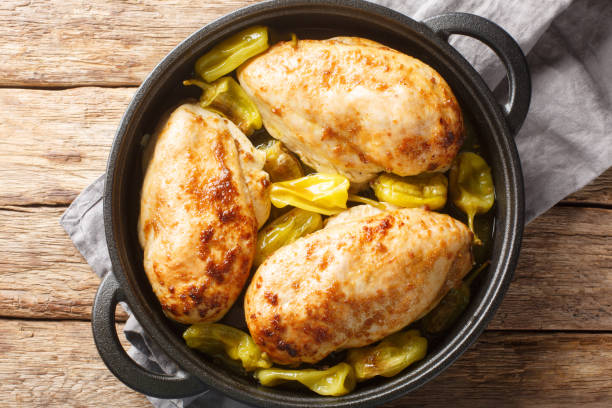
(468, 281)
(477, 240)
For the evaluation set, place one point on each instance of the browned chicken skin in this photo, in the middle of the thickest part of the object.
(356, 281)
(203, 193)
(353, 106)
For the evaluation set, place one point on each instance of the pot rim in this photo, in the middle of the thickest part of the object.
(513, 218)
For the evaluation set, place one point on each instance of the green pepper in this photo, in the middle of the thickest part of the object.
(389, 357)
(225, 96)
(214, 339)
(321, 193)
(471, 187)
(451, 306)
(284, 230)
(335, 381)
(280, 164)
(230, 53)
(424, 190)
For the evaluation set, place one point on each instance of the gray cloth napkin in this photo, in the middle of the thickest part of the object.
(564, 143)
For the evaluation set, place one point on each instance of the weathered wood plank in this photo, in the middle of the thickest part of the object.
(599, 192)
(50, 363)
(42, 275)
(55, 364)
(524, 370)
(563, 280)
(564, 277)
(75, 42)
(54, 143)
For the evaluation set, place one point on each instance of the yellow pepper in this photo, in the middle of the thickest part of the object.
(225, 96)
(377, 204)
(335, 381)
(215, 338)
(424, 190)
(321, 193)
(284, 230)
(230, 53)
(471, 187)
(389, 357)
(280, 164)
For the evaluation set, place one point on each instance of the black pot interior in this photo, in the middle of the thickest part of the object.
(163, 89)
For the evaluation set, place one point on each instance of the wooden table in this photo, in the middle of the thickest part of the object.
(67, 72)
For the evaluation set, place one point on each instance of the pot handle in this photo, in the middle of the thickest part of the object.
(119, 362)
(506, 49)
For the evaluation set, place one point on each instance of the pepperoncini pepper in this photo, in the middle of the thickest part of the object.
(335, 381)
(321, 193)
(451, 306)
(230, 53)
(280, 164)
(376, 204)
(471, 187)
(215, 338)
(284, 230)
(225, 96)
(427, 189)
(389, 357)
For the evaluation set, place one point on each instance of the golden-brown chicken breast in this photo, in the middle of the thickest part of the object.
(198, 223)
(354, 282)
(353, 106)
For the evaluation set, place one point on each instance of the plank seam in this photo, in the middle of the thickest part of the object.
(67, 87)
(522, 331)
(585, 204)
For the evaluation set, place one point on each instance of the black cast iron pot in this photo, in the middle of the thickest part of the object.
(310, 19)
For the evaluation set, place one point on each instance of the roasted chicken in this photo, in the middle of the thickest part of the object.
(203, 196)
(367, 274)
(353, 106)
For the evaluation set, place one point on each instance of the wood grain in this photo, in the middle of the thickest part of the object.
(598, 192)
(111, 43)
(56, 364)
(52, 364)
(54, 143)
(524, 370)
(563, 280)
(42, 275)
(564, 277)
